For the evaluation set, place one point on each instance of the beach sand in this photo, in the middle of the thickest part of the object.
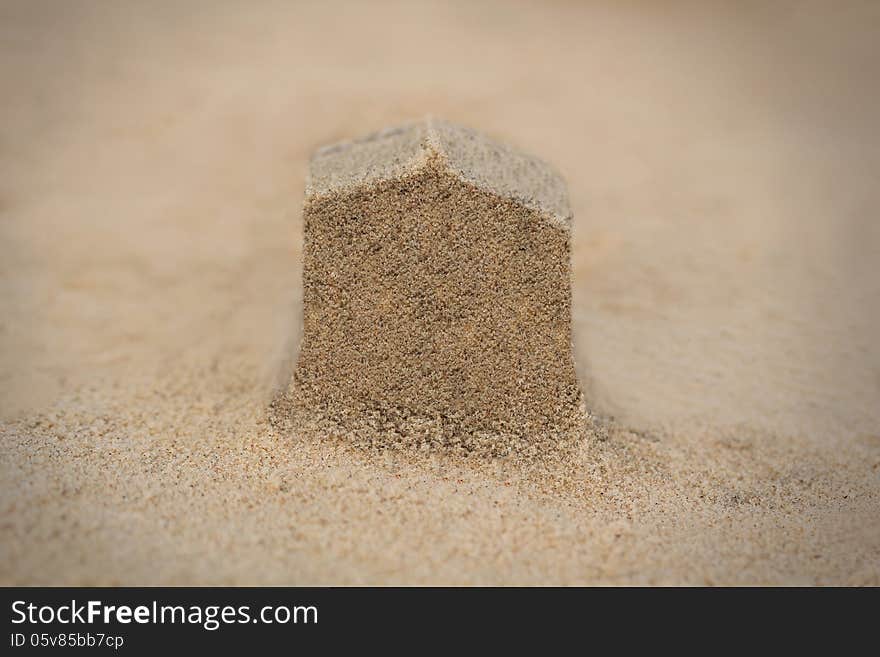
(722, 166)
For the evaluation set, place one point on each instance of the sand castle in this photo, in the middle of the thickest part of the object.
(437, 294)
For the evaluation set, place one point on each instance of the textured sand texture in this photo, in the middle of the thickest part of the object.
(436, 297)
(721, 162)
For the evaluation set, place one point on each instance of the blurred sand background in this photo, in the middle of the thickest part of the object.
(723, 164)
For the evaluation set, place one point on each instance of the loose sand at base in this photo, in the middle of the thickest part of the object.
(722, 170)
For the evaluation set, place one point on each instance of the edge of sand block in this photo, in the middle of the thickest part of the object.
(399, 152)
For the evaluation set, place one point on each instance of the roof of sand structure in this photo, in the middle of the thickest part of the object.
(474, 159)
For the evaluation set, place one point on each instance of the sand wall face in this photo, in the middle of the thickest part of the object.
(438, 311)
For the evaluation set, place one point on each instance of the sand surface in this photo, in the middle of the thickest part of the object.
(722, 166)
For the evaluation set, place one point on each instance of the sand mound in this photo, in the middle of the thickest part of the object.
(437, 296)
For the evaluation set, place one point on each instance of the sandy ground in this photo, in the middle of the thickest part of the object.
(723, 168)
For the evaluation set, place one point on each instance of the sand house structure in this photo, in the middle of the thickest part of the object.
(437, 294)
